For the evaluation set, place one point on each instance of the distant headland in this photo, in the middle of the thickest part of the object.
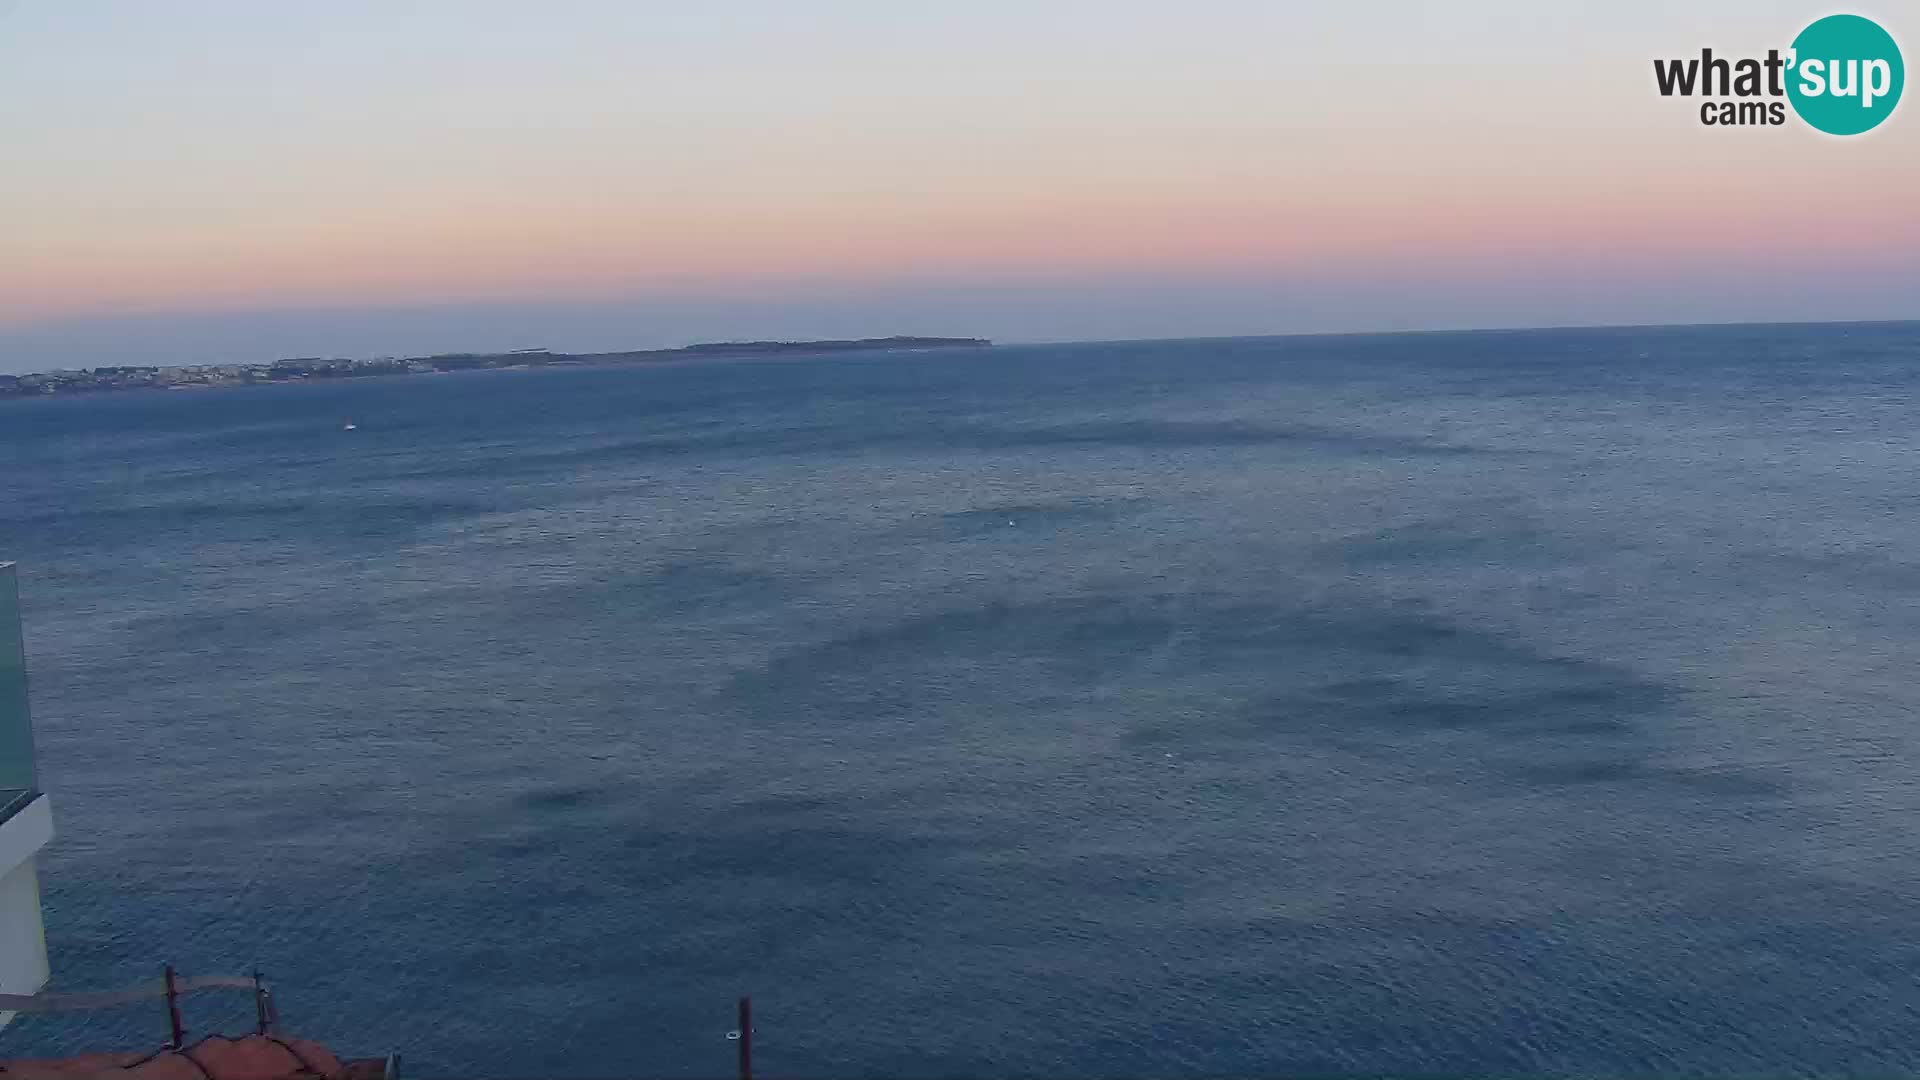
(312, 368)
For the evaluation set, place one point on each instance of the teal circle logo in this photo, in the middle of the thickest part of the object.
(1846, 74)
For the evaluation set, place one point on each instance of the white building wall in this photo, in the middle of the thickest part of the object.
(23, 938)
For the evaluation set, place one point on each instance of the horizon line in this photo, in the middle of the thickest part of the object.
(1032, 342)
(1413, 331)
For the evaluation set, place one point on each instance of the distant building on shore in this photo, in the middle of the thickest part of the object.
(300, 369)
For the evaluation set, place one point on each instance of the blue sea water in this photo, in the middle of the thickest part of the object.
(1526, 703)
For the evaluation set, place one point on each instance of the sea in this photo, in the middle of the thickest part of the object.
(1530, 703)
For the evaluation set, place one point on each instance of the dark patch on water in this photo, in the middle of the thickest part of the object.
(1026, 516)
(1489, 538)
(1728, 783)
(558, 799)
(902, 670)
(945, 433)
(1414, 705)
(1434, 695)
(708, 583)
(1176, 434)
(357, 521)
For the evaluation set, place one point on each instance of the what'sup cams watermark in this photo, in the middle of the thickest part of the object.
(1842, 75)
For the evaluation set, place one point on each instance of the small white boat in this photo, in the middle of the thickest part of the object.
(351, 426)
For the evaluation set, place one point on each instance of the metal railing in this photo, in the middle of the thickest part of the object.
(170, 987)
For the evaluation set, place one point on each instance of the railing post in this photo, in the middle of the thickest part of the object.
(173, 1012)
(259, 1004)
(746, 1038)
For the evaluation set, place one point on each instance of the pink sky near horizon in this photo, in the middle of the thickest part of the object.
(359, 158)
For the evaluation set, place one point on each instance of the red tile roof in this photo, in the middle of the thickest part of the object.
(216, 1057)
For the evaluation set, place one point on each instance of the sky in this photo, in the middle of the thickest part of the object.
(201, 181)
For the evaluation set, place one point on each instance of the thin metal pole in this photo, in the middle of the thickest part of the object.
(259, 1003)
(746, 1038)
(173, 1011)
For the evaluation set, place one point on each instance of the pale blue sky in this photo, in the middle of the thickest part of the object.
(201, 180)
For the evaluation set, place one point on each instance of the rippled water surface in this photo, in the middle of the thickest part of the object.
(1516, 703)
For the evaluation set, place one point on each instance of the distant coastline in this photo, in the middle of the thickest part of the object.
(312, 368)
